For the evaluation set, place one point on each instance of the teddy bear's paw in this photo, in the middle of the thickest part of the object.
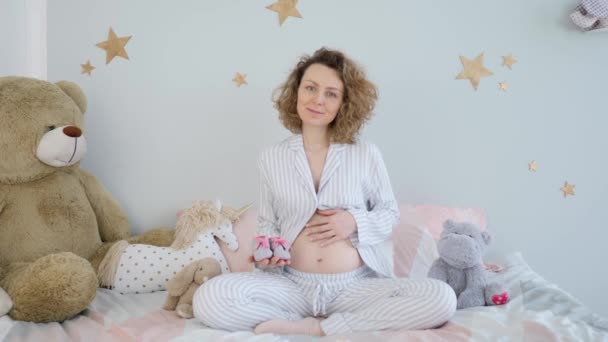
(5, 303)
(54, 288)
(496, 293)
(184, 310)
(500, 299)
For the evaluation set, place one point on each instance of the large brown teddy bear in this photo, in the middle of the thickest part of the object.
(56, 220)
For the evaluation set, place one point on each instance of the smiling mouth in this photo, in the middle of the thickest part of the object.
(314, 111)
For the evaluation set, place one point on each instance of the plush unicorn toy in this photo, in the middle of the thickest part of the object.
(142, 268)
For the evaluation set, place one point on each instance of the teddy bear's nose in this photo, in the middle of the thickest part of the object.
(72, 131)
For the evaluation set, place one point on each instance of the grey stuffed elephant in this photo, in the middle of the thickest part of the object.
(460, 264)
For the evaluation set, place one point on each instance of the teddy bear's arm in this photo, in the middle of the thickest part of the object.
(476, 276)
(113, 223)
(439, 271)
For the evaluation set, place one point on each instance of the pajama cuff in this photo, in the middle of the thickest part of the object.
(361, 235)
(335, 324)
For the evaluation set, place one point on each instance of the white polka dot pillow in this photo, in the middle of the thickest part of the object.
(142, 268)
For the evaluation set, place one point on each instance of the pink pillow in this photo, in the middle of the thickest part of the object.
(433, 216)
(414, 248)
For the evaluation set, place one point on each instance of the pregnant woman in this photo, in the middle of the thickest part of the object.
(326, 202)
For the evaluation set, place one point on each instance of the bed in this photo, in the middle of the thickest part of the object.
(538, 310)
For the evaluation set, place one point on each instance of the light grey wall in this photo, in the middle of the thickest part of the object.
(13, 38)
(169, 126)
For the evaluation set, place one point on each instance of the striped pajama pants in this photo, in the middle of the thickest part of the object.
(354, 301)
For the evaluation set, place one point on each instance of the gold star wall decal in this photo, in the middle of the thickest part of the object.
(532, 166)
(568, 189)
(114, 46)
(504, 86)
(239, 79)
(285, 8)
(508, 61)
(473, 70)
(86, 68)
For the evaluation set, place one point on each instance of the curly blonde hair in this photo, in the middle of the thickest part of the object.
(358, 101)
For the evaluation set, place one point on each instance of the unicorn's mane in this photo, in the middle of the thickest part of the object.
(201, 216)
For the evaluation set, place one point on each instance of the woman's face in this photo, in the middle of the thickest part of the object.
(319, 96)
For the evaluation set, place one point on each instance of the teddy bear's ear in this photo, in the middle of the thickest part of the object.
(72, 90)
(487, 238)
(448, 224)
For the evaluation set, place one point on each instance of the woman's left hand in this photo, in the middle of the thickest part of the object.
(329, 226)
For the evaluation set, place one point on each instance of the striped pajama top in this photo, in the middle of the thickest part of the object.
(354, 178)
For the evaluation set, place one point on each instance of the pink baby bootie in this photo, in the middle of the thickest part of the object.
(280, 248)
(261, 248)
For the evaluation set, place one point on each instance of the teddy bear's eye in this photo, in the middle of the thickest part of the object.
(50, 128)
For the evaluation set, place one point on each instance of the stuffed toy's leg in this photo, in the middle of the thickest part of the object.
(184, 306)
(472, 296)
(496, 294)
(171, 303)
(53, 288)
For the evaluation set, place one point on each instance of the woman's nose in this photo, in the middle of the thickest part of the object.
(320, 99)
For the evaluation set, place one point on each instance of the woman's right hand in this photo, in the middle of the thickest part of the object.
(275, 261)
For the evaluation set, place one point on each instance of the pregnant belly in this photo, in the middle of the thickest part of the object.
(308, 256)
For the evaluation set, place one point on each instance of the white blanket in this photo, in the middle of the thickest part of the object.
(538, 311)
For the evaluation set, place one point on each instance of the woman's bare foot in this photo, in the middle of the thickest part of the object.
(307, 326)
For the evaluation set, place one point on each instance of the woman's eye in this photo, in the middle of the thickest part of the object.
(310, 88)
(330, 94)
(50, 128)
